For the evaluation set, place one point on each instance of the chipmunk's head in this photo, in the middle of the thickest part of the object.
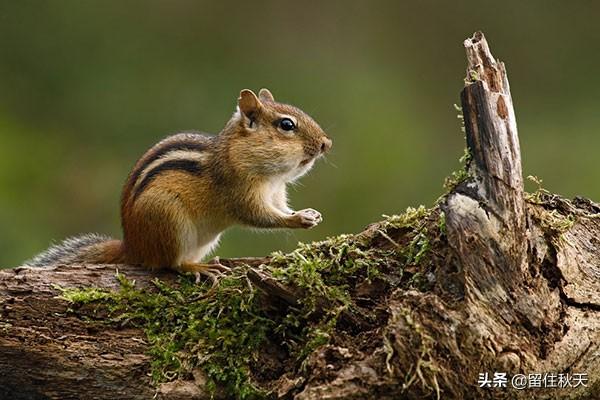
(272, 139)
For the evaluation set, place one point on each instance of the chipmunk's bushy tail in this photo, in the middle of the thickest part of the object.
(85, 249)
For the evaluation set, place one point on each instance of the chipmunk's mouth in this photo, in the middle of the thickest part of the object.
(302, 167)
(305, 162)
(309, 158)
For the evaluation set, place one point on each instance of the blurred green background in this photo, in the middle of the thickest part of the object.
(88, 86)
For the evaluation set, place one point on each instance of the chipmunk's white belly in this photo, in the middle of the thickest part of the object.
(198, 240)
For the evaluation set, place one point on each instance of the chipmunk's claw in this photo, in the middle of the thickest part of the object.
(211, 271)
(309, 218)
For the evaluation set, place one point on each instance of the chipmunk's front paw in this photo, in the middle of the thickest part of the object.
(308, 218)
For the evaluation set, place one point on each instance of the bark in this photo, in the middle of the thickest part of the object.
(513, 286)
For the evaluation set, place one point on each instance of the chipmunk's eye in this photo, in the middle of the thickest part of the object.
(287, 124)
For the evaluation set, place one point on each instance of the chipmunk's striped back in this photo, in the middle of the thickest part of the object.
(157, 227)
(182, 152)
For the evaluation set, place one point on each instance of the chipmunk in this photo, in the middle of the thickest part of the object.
(188, 188)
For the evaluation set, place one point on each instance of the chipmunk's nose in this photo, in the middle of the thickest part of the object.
(326, 144)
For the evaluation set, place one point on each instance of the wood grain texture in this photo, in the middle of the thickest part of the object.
(49, 353)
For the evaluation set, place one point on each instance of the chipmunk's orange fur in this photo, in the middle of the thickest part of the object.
(187, 189)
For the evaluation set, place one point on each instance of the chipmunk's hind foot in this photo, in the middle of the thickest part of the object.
(213, 271)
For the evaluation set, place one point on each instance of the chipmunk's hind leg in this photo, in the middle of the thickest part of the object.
(212, 271)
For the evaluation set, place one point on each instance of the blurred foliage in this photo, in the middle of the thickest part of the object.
(88, 86)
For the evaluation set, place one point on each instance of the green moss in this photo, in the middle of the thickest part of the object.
(420, 242)
(326, 272)
(220, 333)
(409, 218)
(224, 332)
(557, 223)
(460, 117)
(418, 247)
(84, 296)
(325, 268)
(457, 177)
(472, 77)
(316, 337)
(552, 221)
(442, 223)
(425, 369)
(540, 193)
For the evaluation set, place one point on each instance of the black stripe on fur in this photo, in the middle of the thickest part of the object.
(185, 143)
(189, 166)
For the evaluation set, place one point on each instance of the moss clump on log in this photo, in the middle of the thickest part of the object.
(225, 331)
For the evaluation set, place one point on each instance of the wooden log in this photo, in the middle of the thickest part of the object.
(48, 353)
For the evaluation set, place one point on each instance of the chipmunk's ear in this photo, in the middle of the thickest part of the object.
(249, 104)
(266, 95)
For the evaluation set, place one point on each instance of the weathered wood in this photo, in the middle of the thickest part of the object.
(272, 287)
(47, 353)
(514, 286)
(493, 144)
(485, 215)
(513, 310)
(492, 138)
